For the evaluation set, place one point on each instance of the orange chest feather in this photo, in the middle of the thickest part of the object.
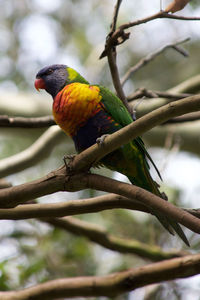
(74, 105)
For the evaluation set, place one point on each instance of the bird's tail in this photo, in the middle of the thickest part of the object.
(168, 223)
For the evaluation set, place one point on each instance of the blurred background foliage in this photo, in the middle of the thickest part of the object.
(37, 33)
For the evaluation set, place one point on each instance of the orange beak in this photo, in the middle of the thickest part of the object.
(39, 84)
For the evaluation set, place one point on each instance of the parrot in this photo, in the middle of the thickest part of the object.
(87, 113)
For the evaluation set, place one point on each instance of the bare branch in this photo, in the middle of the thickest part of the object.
(150, 200)
(111, 54)
(149, 58)
(115, 16)
(191, 85)
(116, 80)
(70, 208)
(137, 128)
(159, 15)
(4, 184)
(186, 134)
(183, 119)
(39, 150)
(40, 122)
(110, 285)
(61, 180)
(119, 36)
(143, 92)
(99, 235)
(194, 212)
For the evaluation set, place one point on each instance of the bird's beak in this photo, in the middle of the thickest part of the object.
(39, 84)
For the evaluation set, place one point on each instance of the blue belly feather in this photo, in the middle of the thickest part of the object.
(95, 127)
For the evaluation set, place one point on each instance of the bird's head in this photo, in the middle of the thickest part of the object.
(53, 78)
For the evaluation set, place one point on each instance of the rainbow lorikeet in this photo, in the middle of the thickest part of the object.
(86, 112)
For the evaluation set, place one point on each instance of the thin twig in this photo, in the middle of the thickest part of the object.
(159, 15)
(115, 16)
(150, 57)
(119, 36)
(143, 92)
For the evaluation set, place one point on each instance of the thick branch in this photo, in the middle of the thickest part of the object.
(59, 180)
(110, 285)
(136, 129)
(70, 208)
(4, 184)
(148, 199)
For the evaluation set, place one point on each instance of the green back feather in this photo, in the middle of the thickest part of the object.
(120, 114)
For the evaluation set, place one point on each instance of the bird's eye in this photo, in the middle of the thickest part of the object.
(49, 71)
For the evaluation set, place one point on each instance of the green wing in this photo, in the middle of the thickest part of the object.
(115, 107)
(120, 114)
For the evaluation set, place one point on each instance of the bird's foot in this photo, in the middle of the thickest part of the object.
(70, 158)
(101, 139)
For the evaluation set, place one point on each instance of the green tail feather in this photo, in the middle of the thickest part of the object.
(169, 224)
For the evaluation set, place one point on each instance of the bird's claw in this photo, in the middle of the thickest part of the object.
(101, 139)
(70, 158)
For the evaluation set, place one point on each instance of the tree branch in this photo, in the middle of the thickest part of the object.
(101, 183)
(191, 85)
(149, 58)
(116, 80)
(62, 180)
(186, 118)
(135, 129)
(38, 122)
(119, 36)
(99, 235)
(143, 92)
(39, 150)
(70, 207)
(112, 55)
(59, 180)
(4, 184)
(186, 133)
(110, 285)
(115, 16)
(159, 15)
